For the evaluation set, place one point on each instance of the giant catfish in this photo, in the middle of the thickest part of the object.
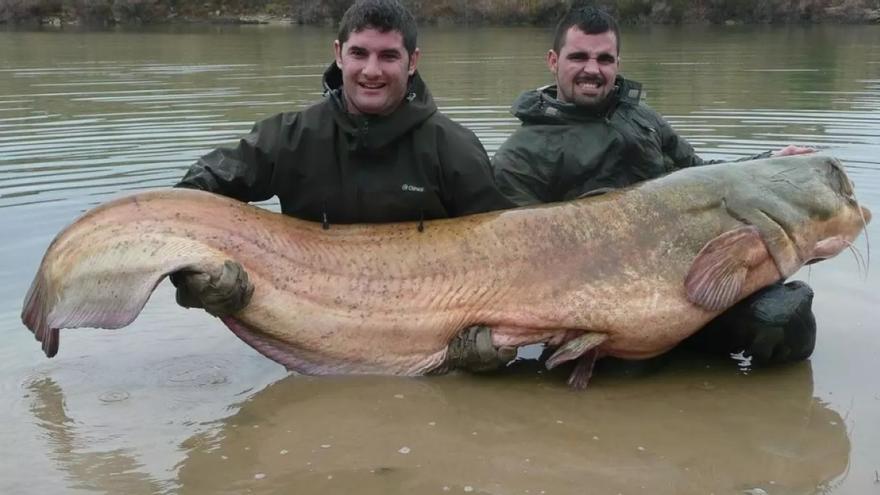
(628, 274)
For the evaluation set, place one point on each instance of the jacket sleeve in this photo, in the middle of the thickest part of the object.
(518, 173)
(244, 171)
(681, 154)
(470, 186)
(678, 152)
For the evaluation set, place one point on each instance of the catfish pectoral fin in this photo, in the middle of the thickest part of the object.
(575, 348)
(718, 272)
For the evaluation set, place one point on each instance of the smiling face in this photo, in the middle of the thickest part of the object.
(585, 67)
(375, 70)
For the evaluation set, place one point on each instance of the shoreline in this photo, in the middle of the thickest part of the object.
(500, 13)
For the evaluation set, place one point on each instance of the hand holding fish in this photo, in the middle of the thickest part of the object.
(222, 293)
(793, 150)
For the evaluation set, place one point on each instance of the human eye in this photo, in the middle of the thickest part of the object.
(357, 52)
(391, 55)
(606, 59)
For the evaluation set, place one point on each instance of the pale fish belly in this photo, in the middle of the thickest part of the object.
(314, 362)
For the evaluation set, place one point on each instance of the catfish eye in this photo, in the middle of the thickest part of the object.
(840, 179)
(848, 191)
(846, 185)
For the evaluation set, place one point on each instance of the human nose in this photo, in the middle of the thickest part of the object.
(371, 68)
(590, 66)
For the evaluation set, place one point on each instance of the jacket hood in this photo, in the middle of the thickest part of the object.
(540, 106)
(376, 131)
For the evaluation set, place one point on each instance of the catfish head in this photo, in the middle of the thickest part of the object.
(798, 210)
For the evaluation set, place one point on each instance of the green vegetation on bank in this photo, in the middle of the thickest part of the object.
(502, 12)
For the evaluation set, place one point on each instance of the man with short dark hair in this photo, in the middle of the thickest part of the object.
(375, 149)
(590, 132)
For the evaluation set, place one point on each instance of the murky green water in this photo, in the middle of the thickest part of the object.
(175, 403)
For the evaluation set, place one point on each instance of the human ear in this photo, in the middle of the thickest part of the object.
(413, 61)
(552, 61)
(337, 53)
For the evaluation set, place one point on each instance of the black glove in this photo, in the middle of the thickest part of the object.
(472, 350)
(774, 325)
(225, 292)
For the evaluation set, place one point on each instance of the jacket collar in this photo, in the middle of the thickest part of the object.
(541, 106)
(372, 132)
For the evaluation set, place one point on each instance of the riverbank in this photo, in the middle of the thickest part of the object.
(481, 12)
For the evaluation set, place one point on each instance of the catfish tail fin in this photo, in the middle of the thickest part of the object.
(34, 315)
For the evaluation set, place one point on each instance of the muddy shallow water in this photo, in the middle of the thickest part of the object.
(175, 403)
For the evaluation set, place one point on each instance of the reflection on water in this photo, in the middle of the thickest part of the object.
(174, 403)
(113, 471)
(688, 431)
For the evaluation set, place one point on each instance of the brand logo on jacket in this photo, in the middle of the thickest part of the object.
(407, 187)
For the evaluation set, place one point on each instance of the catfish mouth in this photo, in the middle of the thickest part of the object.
(866, 214)
(824, 248)
(832, 246)
(831, 225)
(827, 248)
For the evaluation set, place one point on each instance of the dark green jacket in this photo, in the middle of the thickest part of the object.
(563, 151)
(326, 164)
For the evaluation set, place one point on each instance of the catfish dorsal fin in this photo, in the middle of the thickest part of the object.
(719, 271)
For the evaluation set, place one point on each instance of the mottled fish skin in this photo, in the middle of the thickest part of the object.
(645, 267)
